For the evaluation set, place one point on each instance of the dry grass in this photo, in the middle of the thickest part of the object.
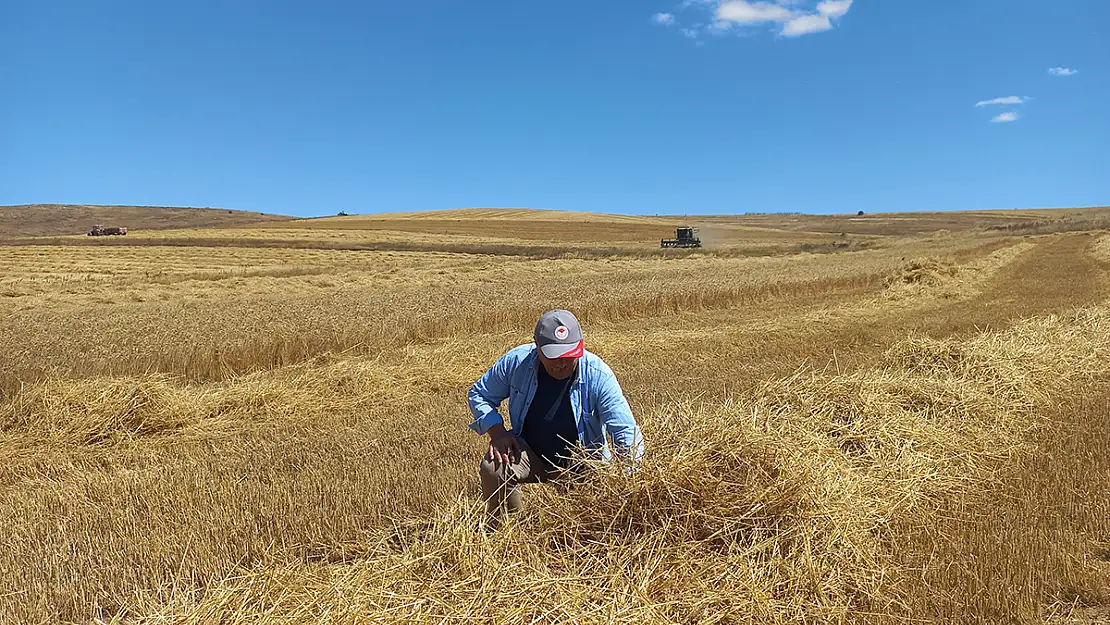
(1038, 534)
(255, 434)
(1027, 221)
(776, 507)
(546, 224)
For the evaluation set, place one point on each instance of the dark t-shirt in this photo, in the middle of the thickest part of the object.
(547, 438)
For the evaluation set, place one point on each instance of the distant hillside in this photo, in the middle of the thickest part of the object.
(568, 226)
(492, 214)
(62, 219)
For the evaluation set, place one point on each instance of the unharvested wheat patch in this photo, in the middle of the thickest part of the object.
(242, 272)
(99, 410)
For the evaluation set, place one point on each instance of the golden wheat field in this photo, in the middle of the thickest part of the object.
(883, 420)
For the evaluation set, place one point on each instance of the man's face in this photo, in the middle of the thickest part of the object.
(558, 368)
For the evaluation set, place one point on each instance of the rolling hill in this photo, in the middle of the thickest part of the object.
(61, 219)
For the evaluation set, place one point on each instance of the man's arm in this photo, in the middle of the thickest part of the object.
(616, 415)
(487, 394)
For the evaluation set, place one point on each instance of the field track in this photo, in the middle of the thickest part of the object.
(1054, 277)
(1057, 275)
(845, 327)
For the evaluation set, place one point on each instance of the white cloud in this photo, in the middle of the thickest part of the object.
(806, 24)
(1012, 99)
(1062, 71)
(692, 33)
(665, 19)
(1011, 116)
(745, 12)
(834, 8)
(791, 18)
(795, 22)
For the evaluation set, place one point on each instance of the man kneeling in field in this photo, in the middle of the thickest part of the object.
(561, 397)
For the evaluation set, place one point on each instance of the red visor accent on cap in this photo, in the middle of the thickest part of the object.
(572, 350)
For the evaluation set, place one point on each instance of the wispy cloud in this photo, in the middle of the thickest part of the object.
(665, 19)
(1010, 116)
(719, 27)
(1012, 99)
(1062, 71)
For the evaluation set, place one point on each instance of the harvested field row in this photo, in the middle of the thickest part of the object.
(210, 329)
(394, 241)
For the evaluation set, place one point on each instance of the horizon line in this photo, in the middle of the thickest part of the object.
(562, 210)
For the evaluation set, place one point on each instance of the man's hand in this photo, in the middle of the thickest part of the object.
(503, 446)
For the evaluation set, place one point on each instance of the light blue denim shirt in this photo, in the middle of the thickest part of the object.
(596, 398)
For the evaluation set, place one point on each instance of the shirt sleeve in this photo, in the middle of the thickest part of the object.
(487, 394)
(616, 417)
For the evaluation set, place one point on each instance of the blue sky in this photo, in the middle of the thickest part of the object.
(622, 106)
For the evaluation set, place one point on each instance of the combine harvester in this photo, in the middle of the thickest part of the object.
(684, 237)
(101, 231)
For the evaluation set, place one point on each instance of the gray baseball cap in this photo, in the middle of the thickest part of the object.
(558, 335)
